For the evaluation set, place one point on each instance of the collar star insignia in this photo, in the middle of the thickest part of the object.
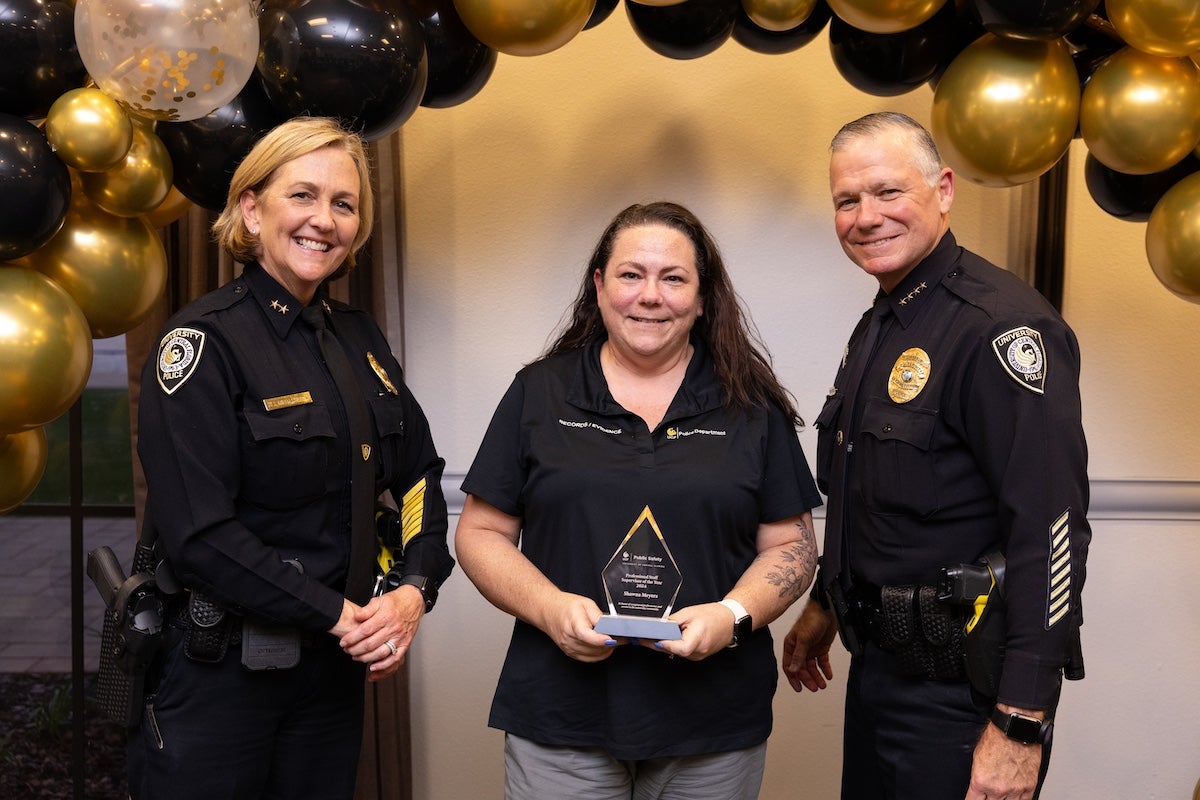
(278, 306)
(916, 291)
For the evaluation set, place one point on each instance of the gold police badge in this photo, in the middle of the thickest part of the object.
(381, 373)
(909, 375)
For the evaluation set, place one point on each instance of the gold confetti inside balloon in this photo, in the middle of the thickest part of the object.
(1141, 113)
(885, 16)
(1006, 109)
(171, 60)
(778, 15)
(524, 27)
(136, 185)
(1161, 28)
(1173, 239)
(23, 458)
(45, 350)
(113, 267)
(88, 130)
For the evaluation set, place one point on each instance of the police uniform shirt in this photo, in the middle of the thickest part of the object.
(968, 439)
(243, 440)
(579, 470)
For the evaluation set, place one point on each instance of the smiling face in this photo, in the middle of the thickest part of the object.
(887, 214)
(306, 218)
(649, 293)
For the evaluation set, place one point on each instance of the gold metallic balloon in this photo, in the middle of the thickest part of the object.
(139, 183)
(1161, 27)
(114, 267)
(45, 349)
(169, 210)
(23, 458)
(524, 27)
(88, 130)
(885, 16)
(1141, 113)
(1173, 238)
(778, 15)
(1006, 109)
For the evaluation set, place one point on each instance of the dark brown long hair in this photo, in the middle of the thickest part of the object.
(741, 359)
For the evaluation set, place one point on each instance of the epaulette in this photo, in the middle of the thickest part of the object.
(224, 297)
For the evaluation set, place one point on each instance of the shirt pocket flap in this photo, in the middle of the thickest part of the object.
(887, 422)
(297, 423)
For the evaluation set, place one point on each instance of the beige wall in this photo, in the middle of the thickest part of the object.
(505, 197)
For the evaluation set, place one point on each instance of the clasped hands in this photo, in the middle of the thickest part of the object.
(380, 633)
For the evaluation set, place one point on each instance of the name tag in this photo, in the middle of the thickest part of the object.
(287, 401)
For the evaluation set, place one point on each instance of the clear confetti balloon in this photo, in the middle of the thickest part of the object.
(168, 59)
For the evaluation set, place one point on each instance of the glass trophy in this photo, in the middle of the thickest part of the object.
(641, 582)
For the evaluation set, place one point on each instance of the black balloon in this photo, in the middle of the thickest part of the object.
(1031, 19)
(685, 30)
(600, 13)
(963, 31)
(887, 64)
(760, 40)
(40, 59)
(206, 151)
(459, 64)
(35, 188)
(1132, 197)
(363, 64)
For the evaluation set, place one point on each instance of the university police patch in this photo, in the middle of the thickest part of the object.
(178, 354)
(1021, 354)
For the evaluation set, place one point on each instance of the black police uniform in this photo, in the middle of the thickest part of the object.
(965, 438)
(244, 442)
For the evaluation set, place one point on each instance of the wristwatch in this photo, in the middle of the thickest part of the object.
(743, 625)
(425, 586)
(1023, 728)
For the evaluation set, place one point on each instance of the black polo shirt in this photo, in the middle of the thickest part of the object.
(579, 470)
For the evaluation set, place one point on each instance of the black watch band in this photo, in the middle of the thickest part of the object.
(1022, 728)
(425, 586)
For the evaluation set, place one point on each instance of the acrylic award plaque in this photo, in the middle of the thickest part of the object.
(641, 582)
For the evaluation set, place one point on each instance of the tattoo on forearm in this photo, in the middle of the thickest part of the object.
(795, 567)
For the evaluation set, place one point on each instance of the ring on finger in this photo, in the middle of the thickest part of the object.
(392, 646)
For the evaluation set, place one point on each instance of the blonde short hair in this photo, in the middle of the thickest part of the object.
(283, 143)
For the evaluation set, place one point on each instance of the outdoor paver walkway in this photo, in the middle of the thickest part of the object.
(35, 589)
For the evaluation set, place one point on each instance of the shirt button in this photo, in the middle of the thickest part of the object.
(887, 428)
(298, 428)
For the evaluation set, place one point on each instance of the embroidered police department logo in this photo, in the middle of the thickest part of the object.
(1021, 354)
(909, 375)
(178, 354)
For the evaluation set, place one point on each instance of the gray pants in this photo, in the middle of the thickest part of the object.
(535, 771)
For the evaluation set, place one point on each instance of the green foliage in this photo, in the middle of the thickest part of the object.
(107, 456)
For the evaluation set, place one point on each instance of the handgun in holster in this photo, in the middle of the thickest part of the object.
(132, 633)
(980, 587)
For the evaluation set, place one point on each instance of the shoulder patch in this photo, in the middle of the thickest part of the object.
(1024, 359)
(178, 354)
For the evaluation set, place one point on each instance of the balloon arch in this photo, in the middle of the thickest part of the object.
(117, 116)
